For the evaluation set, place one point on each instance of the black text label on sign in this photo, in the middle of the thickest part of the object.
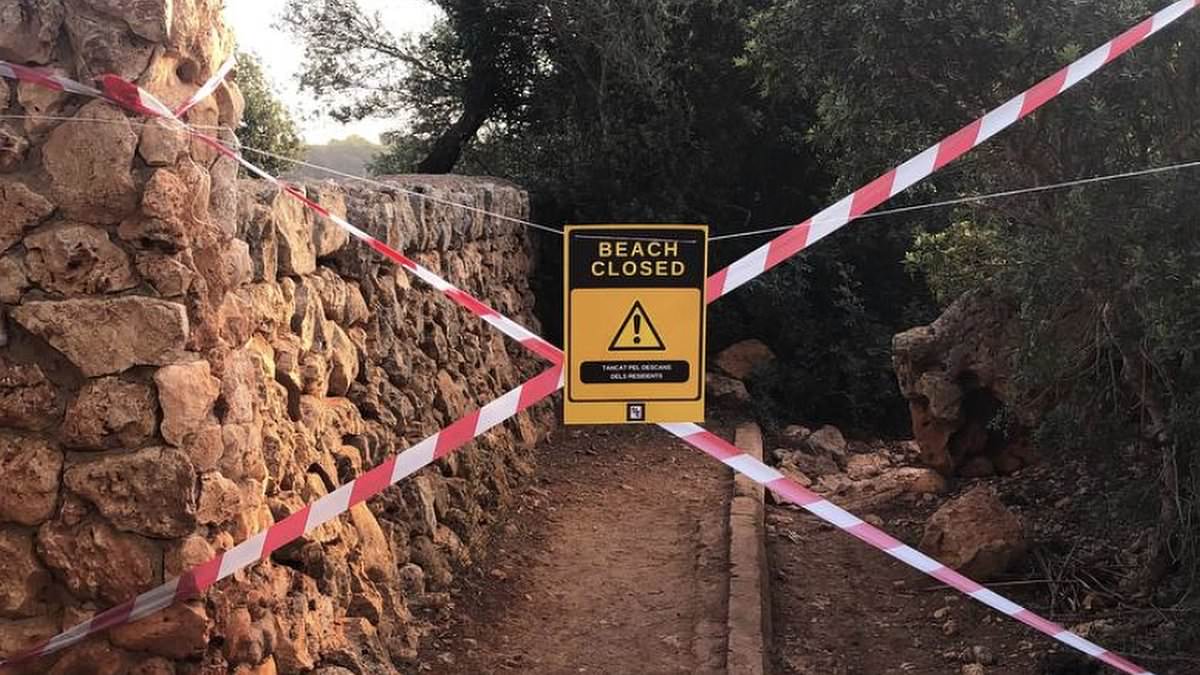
(634, 319)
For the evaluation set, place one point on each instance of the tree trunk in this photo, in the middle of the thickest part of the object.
(1137, 374)
(478, 105)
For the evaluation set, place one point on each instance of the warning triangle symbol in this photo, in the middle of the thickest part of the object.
(637, 333)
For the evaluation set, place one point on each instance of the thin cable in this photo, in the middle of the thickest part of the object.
(99, 120)
(980, 198)
(724, 237)
(393, 186)
(335, 172)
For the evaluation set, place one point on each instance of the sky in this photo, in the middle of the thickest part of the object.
(254, 22)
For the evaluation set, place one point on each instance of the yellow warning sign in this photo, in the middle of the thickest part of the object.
(635, 323)
(637, 333)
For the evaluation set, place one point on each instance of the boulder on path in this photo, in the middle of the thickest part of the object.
(742, 359)
(956, 374)
(827, 440)
(726, 391)
(976, 535)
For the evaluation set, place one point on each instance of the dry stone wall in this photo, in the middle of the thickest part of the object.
(186, 358)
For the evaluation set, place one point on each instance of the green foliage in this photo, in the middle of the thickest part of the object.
(1105, 276)
(267, 124)
(754, 113)
(960, 258)
(402, 153)
(471, 69)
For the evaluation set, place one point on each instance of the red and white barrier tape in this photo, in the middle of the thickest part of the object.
(516, 331)
(260, 546)
(791, 491)
(720, 284)
(46, 79)
(136, 99)
(208, 88)
(926, 163)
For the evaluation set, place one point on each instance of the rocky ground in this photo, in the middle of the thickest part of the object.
(1059, 537)
(613, 563)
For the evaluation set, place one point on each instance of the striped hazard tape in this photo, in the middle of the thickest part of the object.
(263, 544)
(925, 164)
(260, 546)
(792, 492)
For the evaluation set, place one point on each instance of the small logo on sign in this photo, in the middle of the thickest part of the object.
(636, 412)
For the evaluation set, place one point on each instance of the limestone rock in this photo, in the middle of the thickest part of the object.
(186, 554)
(860, 467)
(220, 500)
(243, 456)
(149, 19)
(726, 391)
(96, 561)
(356, 645)
(267, 667)
(29, 472)
(206, 447)
(245, 641)
(104, 337)
(29, 30)
(153, 666)
(180, 631)
(14, 148)
(812, 465)
(343, 361)
(102, 44)
(110, 413)
(328, 237)
(451, 396)
(294, 236)
(28, 400)
(373, 549)
(426, 499)
(169, 275)
(20, 209)
(827, 440)
(237, 268)
(241, 386)
(162, 143)
(75, 259)
(976, 535)
(13, 280)
(166, 203)
(151, 492)
(910, 480)
(433, 562)
(22, 577)
(955, 374)
(186, 393)
(794, 436)
(38, 101)
(90, 164)
(943, 397)
(742, 359)
(92, 658)
(17, 636)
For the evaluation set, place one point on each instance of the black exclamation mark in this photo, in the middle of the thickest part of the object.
(637, 329)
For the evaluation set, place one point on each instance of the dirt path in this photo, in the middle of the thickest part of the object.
(841, 608)
(618, 566)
